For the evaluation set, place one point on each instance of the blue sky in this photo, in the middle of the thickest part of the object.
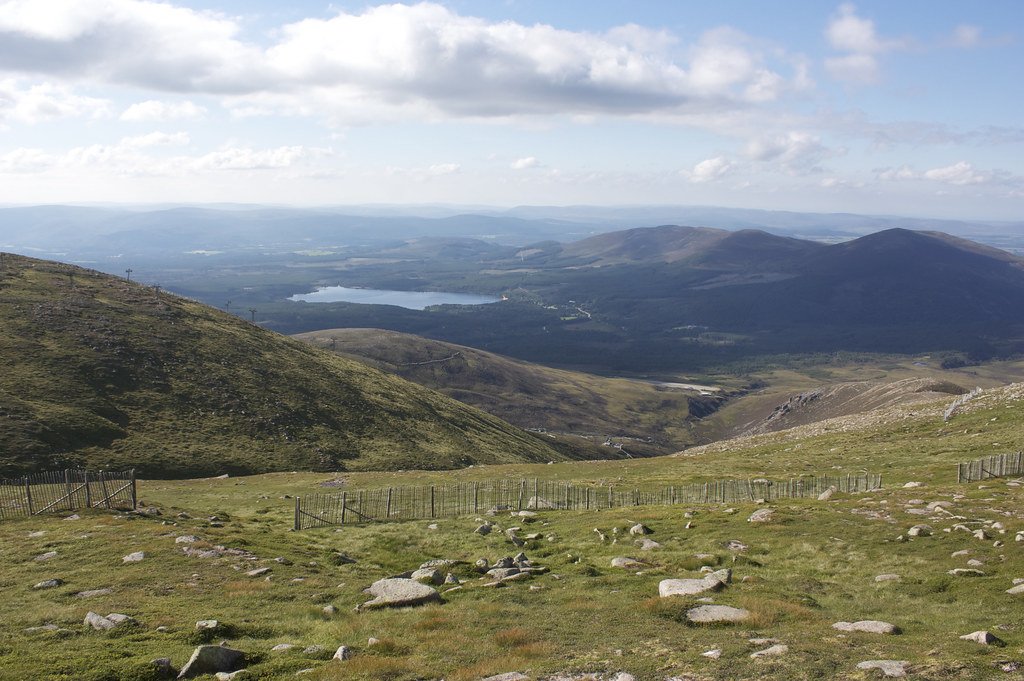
(907, 108)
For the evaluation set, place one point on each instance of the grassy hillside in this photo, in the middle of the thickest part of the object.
(96, 371)
(644, 418)
(815, 563)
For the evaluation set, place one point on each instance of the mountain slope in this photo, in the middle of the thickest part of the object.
(643, 418)
(96, 371)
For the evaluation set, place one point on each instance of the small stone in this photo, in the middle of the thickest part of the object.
(134, 557)
(647, 544)
(330, 610)
(867, 626)
(94, 592)
(207, 624)
(99, 622)
(966, 572)
(211, 659)
(313, 650)
(893, 669)
(370, 642)
(484, 529)
(233, 676)
(1019, 589)
(716, 613)
(827, 494)
(187, 539)
(282, 646)
(343, 653)
(48, 584)
(770, 652)
(714, 653)
(911, 485)
(920, 531)
(432, 526)
(508, 676)
(628, 563)
(984, 637)
(638, 530)
(258, 572)
(687, 587)
(46, 556)
(886, 578)
(428, 576)
(762, 515)
(981, 534)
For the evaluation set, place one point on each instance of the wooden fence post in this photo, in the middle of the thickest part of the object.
(67, 488)
(88, 492)
(135, 501)
(297, 525)
(28, 494)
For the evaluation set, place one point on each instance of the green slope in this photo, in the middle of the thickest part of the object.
(644, 418)
(99, 372)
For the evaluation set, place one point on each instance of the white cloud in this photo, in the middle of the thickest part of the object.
(154, 110)
(854, 68)
(524, 163)
(959, 173)
(794, 151)
(390, 62)
(904, 172)
(847, 32)
(965, 35)
(46, 101)
(156, 139)
(444, 168)
(708, 170)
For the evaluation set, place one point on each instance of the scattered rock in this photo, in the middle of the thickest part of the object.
(186, 539)
(99, 622)
(46, 556)
(233, 676)
(134, 557)
(911, 485)
(638, 530)
(210, 660)
(981, 534)
(508, 676)
(428, 575)
(716, 613)
(399, 593)
(735, 545)
(628, 563)
(258, 572)
(714, 653)
(827, 494)
(886, 578)
(984, 638)
(282, 646)
(920, 531)
(1019, 589)
(484, 529)
(330, 610)
(647, 544)
(48, 584)
(207, 624)
(762, 515)
(342, 653)
(868, 626)
(966, 572)
(893, 669)
(778, 649)
(687, 587)
(94, 592)
(313, 650)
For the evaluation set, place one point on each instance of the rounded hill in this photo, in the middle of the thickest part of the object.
(99, 372)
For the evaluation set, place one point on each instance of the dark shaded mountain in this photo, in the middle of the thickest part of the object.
(99, 372)
(641, 417)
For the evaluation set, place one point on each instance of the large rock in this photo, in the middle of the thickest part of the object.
(687, 587)
(984, 638)
(638, 530)
(893, 669)
(398, 592)
(210, 660)
(99, 622)
(710, 614)
(869, 626)
(762, 515)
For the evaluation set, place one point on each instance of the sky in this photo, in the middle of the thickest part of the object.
(910, 108)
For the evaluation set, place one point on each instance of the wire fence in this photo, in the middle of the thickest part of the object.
(464, 498)
(998, 466)
(67, 490)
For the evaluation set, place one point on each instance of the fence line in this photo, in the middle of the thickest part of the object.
(997, 466)
(66, 490)
(456, 499)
